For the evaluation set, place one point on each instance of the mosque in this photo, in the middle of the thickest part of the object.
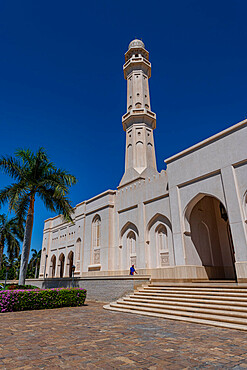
(188, 223)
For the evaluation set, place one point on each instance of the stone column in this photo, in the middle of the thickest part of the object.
(177, 226)
(236, 220)
(141, 244)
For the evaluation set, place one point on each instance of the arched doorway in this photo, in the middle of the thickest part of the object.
(53, 266)
(70, 262)
(211, 238)
(61, 260)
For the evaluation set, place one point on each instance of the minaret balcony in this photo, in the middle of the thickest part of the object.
(137, 63)
(140, 115)
(133, 51)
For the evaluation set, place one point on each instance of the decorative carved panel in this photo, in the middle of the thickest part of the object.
(164, 259)
(96, 257)
(133, 260)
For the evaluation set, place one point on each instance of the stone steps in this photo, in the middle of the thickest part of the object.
(221, 305)
(188, 308)
(187, 305)
(192, 295)
(195, 292)
(194, 300)
(191, 289)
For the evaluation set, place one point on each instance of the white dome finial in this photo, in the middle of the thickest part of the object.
(136, 44)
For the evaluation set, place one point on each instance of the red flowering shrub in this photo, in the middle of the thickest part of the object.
(16, 286)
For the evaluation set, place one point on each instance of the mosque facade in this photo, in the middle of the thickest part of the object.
(187, 223)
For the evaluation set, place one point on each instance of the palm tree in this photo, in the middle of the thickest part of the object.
(35, 261)
(16, 265)
(5, 260)
(11, 233)
(34, 175)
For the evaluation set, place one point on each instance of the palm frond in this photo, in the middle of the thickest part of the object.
(13, 246)
(17, 226)
(9, 236)
(21, 208)
(11, 166)
(5, 194)
(63, 206)
(47, 196)
(65, 177)
(26, 155)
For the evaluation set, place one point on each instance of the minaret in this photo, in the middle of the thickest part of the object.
(139, 121)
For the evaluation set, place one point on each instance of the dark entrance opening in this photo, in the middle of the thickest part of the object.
(212, 238)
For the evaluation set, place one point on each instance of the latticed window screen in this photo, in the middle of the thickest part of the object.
(131, 240)
(131, 247)
(96, 239)
(97, 233)
(162, 244)
(162, 238)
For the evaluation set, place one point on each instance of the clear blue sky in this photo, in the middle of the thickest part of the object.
(62, 84)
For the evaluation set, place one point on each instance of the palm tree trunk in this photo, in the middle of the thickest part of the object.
(36, 269)
(1, 254)
(26, 243)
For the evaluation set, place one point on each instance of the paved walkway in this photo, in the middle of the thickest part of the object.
(89, 337)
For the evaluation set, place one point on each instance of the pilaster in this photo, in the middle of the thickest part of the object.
(235, 213)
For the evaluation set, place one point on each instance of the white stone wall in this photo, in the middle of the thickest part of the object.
(148, 222)
(216, 167)
(138, 207)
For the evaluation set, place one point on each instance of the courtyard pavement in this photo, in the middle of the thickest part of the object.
(90, 337)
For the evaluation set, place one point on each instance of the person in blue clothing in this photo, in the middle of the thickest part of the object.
(132, 270)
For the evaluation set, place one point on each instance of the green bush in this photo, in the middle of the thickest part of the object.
(11, 273)
(38, 299)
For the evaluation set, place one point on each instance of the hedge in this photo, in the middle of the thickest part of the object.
(39, 299)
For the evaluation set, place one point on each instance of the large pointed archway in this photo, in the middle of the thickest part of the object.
(209, 240)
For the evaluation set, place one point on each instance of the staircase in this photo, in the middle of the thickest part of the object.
(217, 304)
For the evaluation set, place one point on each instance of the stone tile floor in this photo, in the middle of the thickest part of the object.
(90, 337)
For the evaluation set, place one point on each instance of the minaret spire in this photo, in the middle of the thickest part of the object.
(139, 121)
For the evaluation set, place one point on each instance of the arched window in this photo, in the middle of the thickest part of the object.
(140, 154)
(129, 155)
(131, 242)
(78, 253)
(162, 238)
(96, 226)
(162, 245)
(96, 231)
(131, 247)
